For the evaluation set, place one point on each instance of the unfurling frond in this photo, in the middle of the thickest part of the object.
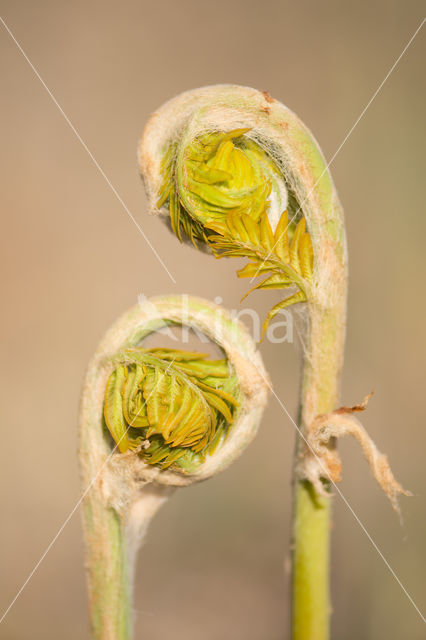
(181, 222)
(220, 172)
(219, 191)
(173, 407)
(285, 263)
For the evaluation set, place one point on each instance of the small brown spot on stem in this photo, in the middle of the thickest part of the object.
(267, 96)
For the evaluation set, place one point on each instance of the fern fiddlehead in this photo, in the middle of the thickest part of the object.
(223, 189)
(235, 171)
(173, 406)
(152, 420)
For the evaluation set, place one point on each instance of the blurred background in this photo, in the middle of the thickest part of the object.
(214, 565)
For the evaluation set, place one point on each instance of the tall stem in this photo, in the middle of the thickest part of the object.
(311, 520)
(308, 181)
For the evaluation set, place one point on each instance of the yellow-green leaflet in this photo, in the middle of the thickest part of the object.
(284, 263)
(173, 406)
(113, 410)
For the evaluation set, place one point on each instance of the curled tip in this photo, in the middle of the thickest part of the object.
(152, 420)
(175, 416)
(236, 171)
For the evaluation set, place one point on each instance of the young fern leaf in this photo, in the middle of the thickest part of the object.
(180, 221)
(178, 417)
(288, 264)
(243, 215)
(173, 407)
(224, 183)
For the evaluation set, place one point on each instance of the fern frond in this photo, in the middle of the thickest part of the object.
(220, 193)
(299, 296)
(178, 405)
(286, 264)
(180, 220)
(113, 409)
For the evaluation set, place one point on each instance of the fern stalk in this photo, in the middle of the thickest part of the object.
(231, 169)
(322, 364)
(107, 565)
(311, 518)
(125, 484)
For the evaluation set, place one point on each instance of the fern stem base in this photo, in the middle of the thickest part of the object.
(311, 517)
(311, 601)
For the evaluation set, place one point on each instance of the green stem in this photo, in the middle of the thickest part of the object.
(310, 564)
(107, 572)
(311, 520)
(112, 542)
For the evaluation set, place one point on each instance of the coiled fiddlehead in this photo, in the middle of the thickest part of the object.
(225, 190)
(271, 165)
(236, 171)
(174, 407)
(152, 420)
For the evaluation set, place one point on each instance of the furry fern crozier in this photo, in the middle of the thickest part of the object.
(152, 420)
(236, 172)
(173, 406)
(220, 192)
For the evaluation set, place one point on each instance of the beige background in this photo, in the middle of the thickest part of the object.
(72, 260)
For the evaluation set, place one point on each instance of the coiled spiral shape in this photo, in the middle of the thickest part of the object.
(174, 407)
